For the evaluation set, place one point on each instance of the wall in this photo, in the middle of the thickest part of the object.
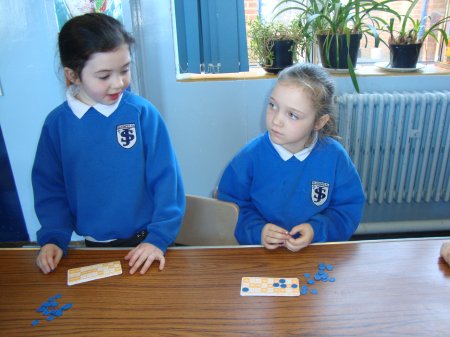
(208, 121)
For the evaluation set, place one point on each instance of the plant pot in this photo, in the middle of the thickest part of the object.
(404, 55)
(282, 56)
(334, 55)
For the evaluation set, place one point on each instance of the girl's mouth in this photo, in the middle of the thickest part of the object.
(114, 96)
(275, 133)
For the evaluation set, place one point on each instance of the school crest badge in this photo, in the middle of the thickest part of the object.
(126, 135)
(319, 192)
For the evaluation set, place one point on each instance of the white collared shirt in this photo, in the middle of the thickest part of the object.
(301, 155)
(79, 108)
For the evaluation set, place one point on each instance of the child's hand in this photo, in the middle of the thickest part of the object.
(445, 252)
(306, 236)
(49, 257)
(273, 236)
(144, 255)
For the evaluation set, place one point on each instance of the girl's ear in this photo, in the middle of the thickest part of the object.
(71, 76)
(321, 122)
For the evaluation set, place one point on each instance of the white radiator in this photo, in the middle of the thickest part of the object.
(400, 144)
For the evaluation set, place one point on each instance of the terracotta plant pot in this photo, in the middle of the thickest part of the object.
(335, 55)
(404, 55)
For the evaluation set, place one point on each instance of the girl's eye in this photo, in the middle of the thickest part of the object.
(272, 105)
(104, 77)
(125, 71)
(293, 116)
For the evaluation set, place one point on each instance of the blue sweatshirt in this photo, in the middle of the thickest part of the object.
(107, 177)
(323, 190)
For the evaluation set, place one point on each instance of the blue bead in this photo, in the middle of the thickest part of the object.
(50, 318)
(69, 305)
(330, 267)
(245, 289)
(311, 281)
(276, 285)
(282, 280)
(54, 297)
(35, 322)
(307, 275)
(313, 291)
(294, 286)
(283, 285)
(332, 279)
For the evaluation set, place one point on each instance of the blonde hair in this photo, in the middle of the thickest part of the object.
(318, 83)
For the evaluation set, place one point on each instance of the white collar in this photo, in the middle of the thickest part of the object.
(79, 108)
(301, 155)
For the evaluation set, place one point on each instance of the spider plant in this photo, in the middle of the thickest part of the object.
(333, 18)
(417, 31)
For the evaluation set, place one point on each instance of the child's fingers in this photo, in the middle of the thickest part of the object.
(276, 232)
(46, 264)
(162, 262)
(43, 265)
(272, 246)
(274, 239)
(133, 255)
(445, 252)
(135, 263)
(144, 255)
(295, 245)
(277, 229)
(130, 254)
(150, 261)
(48, 258)
(273, 236)
(54, 259)
(272, 242)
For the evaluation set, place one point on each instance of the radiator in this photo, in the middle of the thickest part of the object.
(399, 143)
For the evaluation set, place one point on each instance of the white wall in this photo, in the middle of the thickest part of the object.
(208, 121)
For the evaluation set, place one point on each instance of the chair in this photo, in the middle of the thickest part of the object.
(208, 222)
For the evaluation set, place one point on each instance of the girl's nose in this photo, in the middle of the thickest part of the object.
(276, 119)
(118, 82)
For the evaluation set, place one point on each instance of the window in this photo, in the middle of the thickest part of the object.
(210, 36)
(432, 51)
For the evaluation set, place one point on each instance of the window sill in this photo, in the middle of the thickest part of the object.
(362, 70)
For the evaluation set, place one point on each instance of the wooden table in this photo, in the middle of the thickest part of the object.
(382, 288)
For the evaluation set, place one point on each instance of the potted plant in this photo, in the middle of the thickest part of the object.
(337, 27)
(405, 44)
(275, 45)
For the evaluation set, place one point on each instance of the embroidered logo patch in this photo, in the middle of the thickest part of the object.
(319, 192)
(126, 135)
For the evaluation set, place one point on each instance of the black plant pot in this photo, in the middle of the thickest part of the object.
(404, 55)
(334, 55)
(283, 56)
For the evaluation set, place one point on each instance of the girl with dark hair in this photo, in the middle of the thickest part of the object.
(105, 166)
